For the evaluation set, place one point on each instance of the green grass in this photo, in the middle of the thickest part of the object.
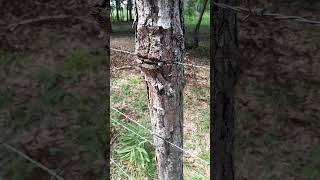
(133, 152)
(128, 92)
(136, 151)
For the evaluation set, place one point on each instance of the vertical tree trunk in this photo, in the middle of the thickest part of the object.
(106, 3)
(224, 54)
(127, 13)
(117, 9)
(196, 30)
(108, 6)
(130, 9)
(160, 43)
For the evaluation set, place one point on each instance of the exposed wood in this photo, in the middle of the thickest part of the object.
(160, 38)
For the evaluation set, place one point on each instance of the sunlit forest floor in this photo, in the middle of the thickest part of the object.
(54, 79)
(277, 107)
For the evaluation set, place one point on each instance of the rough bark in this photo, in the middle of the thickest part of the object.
(196, 30)
(107, 46)
(224, 54)
(160, 43)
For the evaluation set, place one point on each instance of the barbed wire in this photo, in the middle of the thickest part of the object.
(51, 172)
(160, 137)
(179, 63)
(144, 138)
(121, 169)
(262, 12)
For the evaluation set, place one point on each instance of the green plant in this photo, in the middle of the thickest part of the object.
(135, 150)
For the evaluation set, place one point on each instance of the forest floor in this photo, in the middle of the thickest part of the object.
(52, 103)
(277, 99)
(54, 81)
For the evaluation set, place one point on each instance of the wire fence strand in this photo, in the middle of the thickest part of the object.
(133, 131)
(51, 172)
(262, 12)
(179, 63)
(160, 137)
(121, 169)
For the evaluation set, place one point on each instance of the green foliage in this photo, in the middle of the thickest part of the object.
(205, 156)
(135, 150)
(140, 103)
(190, 8)
(197, 177)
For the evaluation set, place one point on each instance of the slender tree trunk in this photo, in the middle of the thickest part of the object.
(159, 43)
(127, 13)
(224, 54)
(106, 3)
(196, 30)
(130, 9)
(117, 9)
(109, 27)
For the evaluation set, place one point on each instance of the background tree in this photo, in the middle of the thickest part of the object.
(129, 10)
(159, 43)
(224, 57)
(109, 26)
(118, 6)
(196, 30)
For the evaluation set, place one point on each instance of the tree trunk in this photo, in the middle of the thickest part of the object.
(225, 55)
(109, 27)
(160, 43)
(117, 9)
(196, 30)
(127, 13)
(106, 3)
(130, 9)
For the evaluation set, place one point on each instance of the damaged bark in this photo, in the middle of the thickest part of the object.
(159, 44)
